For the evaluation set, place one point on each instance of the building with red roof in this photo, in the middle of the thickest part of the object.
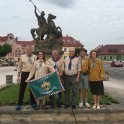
(111, 52)
(68, 42)
(18, 47)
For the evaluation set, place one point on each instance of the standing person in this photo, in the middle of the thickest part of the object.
(24, 67)
(84, 82)
(72, 70)
(96, 75)
(40, 68)
(58, 64)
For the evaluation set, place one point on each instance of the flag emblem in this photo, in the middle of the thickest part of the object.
(46, 86)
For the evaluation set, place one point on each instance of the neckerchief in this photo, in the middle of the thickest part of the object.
(70, 63)
(93, 64)
(55, 60)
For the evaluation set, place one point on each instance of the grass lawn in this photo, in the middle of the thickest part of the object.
(9, 96)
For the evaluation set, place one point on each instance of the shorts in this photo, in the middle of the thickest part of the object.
(84, 82)
(96, 87)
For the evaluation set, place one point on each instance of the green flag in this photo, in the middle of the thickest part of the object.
(47, 85)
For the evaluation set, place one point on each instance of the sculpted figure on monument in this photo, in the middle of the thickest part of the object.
(52, 29)
(43, 27)
(47, 36)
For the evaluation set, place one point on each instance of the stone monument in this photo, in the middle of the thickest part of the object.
(47, 36)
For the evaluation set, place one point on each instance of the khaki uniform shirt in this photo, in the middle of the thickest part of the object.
(95, 69)
(40, 69)
(81, 60)
(59, 64)
(75, 67)
(26, 63)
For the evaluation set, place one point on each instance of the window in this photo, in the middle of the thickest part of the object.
(104, 57)
(65, 49)
(110, 57)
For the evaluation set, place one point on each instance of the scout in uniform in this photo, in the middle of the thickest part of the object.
(84, 81)
(24, 67)
(95, 69)
(40, 68)
(58, 64)
(72, 68)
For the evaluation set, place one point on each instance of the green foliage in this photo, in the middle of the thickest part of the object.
(9, 96)
(77, 50)
(5, 49)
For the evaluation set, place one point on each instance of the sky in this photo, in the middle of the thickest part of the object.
(92, 22)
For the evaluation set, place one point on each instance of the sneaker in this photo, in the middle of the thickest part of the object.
(35, 107)
(87, 105)
(18, 107)
(66, 106)
(81, 105)
(94, 107)
(98, 107)
(73, 106)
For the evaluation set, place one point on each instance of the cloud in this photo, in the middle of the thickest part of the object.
(61, 3)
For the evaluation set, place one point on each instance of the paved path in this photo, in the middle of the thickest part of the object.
(115, 89)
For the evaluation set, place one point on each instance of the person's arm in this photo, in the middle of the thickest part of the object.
(102, 72)
(51, 69)
(36, 12)
(32, 72)
(79, 70)
(85, 66)
(62, 68)
(19, 70)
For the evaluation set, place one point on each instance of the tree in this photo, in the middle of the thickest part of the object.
(77, 51)
(5, 49)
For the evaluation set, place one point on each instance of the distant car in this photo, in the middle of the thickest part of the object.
(123, 62)
(5, 64)
(116, 64)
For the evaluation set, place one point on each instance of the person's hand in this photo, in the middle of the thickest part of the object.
(18, 79)
(27, 81)
(77, 79)
(60, 74)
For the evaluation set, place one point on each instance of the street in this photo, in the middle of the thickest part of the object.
(116, 75)
(115, 85)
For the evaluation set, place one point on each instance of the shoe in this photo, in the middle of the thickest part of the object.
(18, 107)
(73, 106)
(98, 107)
(35, 107)
(94, 107)
(52, 106)
(87, 105)
(66, 106)
(81, 105)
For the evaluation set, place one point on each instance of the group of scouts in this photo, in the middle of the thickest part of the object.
(78, 75)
